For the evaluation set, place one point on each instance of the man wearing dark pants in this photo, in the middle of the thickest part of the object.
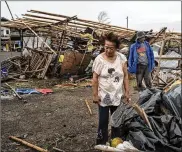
(141, 61)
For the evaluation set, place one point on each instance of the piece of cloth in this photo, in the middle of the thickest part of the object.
(45, 91)
(90, 47)
(142, 56)
(111, 75)
(133, 57)
(102, 136)
(26, 91)
(61, 58)
(143, 73)
(4, 72)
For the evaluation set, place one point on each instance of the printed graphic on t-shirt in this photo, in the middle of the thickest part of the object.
(116, 79)
(111, 72)
(107, 99)
(114, 74)
(141, 51)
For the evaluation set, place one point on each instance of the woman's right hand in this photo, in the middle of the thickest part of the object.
(96, 99)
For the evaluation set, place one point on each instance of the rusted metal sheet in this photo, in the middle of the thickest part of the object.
(75, 62)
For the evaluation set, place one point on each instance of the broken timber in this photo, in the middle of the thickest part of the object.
(28, 144)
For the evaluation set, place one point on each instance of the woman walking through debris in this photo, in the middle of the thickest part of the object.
(110, 77)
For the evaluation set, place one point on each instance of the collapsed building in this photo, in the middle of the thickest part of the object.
(48, 36)
(59, 45)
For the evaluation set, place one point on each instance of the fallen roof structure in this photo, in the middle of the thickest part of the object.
(70, 34)
(45, 21)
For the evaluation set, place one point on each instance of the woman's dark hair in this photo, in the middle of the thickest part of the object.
(112, 38)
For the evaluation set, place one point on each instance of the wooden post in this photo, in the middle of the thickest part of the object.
(37, 42)
(21, 40)
(127, 22)
(33, 42)
(161, 51)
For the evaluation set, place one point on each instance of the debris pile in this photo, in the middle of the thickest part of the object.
(59, 44)
(64, 45)
(168, 59)
(154, 122)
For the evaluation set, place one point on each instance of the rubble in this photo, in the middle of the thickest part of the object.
(66, 45)
(167, 59)
(73, 39)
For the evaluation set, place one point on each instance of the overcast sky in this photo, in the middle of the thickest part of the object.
(142, 15)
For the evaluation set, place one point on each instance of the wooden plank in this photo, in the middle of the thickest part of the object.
(50, 56)
(28, 144)
(90, 111)
(14, 91)
(160, 55)
(37, 64)
(168, 58)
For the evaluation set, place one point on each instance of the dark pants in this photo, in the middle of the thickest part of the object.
(102, 136)
(143, 73)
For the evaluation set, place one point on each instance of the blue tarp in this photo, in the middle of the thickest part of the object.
(27, 91)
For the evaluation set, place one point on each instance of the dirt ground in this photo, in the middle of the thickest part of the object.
(60, 119)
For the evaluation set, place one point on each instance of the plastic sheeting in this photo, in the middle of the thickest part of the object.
(172, 100)
(166, 129)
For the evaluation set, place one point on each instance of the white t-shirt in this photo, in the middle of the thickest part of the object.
(111, 75)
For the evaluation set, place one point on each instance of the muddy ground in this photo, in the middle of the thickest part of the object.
(60, 119)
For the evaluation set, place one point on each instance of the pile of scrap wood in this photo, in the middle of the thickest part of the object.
(53, 36)
(11, 68)
(39, 63)
(168, 61)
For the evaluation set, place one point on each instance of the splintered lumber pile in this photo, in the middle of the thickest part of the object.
(39, 63)
(11, 68)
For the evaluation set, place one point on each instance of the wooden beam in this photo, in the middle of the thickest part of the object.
(169, 58)
(77, 23)
(81, 20)
(39, 37)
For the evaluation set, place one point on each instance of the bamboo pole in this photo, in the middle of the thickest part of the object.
(28, 144)
(77, 23)
(39, 37)
(90, 111)
(142, 113)
(161, 51)
(14, 91)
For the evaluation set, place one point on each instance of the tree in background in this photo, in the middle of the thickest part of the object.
(103, 18)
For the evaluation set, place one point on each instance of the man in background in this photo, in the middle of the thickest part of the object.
(141, 61)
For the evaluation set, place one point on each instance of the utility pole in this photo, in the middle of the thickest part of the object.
(9, 10)
(127, 21)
